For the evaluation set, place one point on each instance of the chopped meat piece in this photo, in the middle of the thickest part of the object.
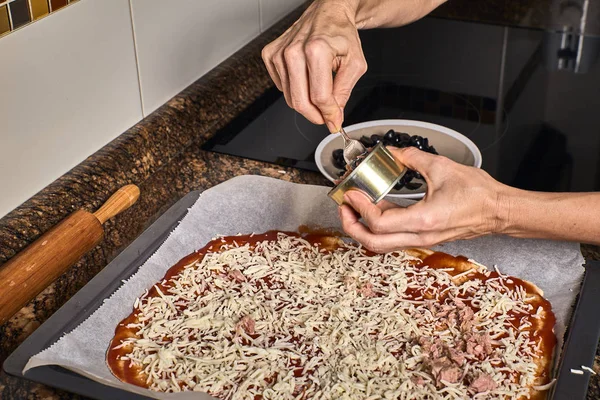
(479, 345)
(456, 355)
(425, 344)
(466, 315)
(443, 361)
(453, 318)
(441, 312)
(432, 349)
(437, 349)
(439, 364)
(367, 290)
(483, 383)
(417, 380)
(459, 303)
(246, 324)
(237, 276)
(443, 369)
(451, 374)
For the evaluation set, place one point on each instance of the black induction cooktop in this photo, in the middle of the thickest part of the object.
(529, 99)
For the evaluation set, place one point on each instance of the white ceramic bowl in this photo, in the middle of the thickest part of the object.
(447, 142)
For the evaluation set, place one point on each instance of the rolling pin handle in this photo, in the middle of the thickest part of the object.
(120, 201)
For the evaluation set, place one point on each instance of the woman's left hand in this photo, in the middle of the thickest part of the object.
(461, 203)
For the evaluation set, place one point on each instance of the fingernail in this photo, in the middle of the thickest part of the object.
(348, 196)
(332, 127)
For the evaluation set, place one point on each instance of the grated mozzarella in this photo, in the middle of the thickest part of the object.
(306, 323)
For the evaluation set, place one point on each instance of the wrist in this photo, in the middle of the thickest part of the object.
(503, 209)
(350, 7)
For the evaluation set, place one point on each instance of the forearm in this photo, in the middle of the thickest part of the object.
(390, 13)
(560, 216)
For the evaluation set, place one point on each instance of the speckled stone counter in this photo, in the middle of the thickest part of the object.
(163, 156)
(578, 16)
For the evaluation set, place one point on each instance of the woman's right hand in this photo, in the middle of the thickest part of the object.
(302, 61)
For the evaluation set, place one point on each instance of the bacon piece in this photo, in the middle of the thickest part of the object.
(483, 383)
(246, 324)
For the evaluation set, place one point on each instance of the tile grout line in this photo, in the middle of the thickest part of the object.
(137, 59)
(260, 17)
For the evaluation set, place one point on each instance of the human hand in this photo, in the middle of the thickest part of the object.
(461, 203)
(302, 60)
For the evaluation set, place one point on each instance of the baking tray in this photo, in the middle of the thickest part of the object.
(580, 345)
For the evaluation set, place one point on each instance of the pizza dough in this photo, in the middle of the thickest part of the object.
(288, 316)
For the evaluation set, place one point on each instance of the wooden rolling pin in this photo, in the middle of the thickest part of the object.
(29, 272)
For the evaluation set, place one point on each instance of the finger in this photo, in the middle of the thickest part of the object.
(377, 243)
(416, 159)
(383, 220)
(320, 58)
(298, 72)
(350, 71)
(267, 59)
(281, 69)
(386, 205)
(367, 210)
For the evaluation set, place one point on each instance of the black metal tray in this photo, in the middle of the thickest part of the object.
(580, 346)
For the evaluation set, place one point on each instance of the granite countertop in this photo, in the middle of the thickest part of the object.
(162, 155)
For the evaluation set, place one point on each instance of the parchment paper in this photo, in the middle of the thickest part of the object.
(257, 204)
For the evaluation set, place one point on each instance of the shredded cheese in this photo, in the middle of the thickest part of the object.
(284, 319)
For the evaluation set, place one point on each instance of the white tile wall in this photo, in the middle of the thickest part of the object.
(273, 10)
(72, 82)
(68, 85)
(178, 42)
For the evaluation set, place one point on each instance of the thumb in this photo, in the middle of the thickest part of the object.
(415, 159)
(332, 115)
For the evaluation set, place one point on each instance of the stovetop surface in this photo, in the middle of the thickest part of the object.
(528, 99)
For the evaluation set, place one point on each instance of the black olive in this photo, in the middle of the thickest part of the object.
(425, 143)
(418, 176)
(416, 141)
(389, 135)
(432, 150)
(405, 137)
(376, 139)
(338, 159)
(366, 141)
(399, 186)
(413, 185)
